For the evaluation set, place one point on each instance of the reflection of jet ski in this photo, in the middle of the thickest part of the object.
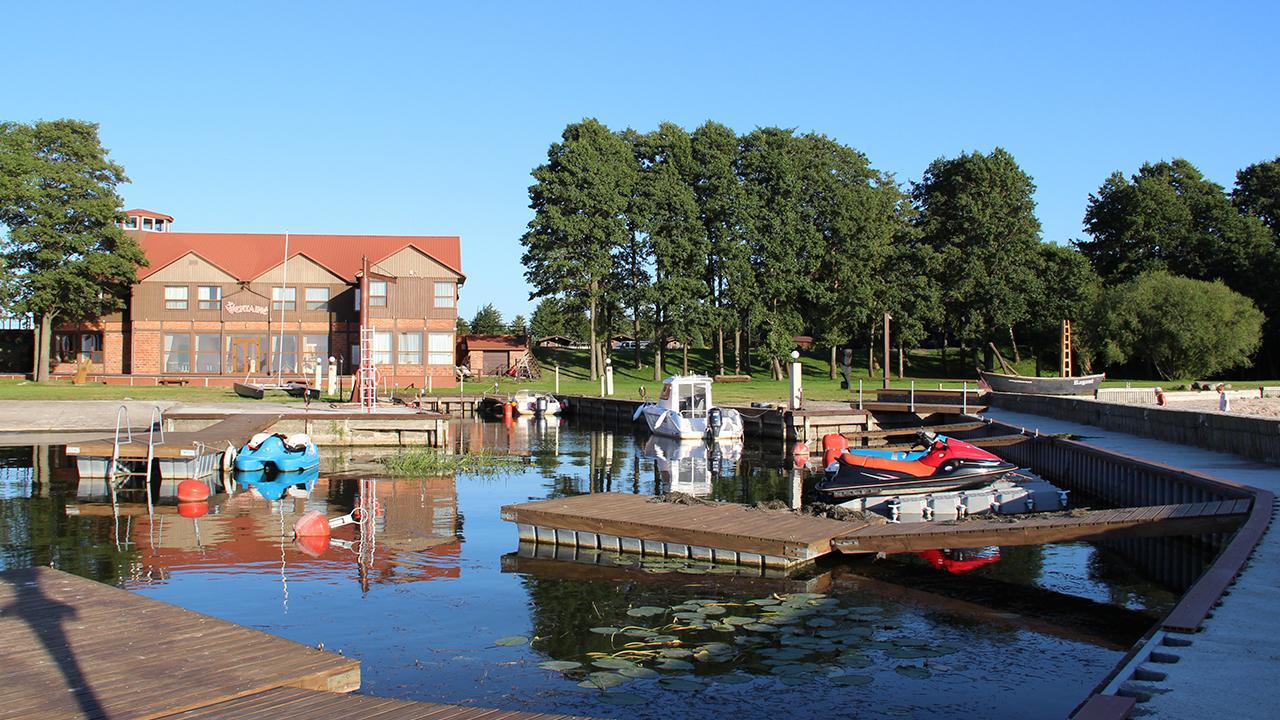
(960, 561)
(275, 451)
(690, 466)
(274, 486)
(944, 464)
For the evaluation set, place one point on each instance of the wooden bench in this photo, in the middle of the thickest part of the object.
(173, 381)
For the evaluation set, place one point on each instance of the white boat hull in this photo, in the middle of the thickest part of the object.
(529, 405)
(669, 423)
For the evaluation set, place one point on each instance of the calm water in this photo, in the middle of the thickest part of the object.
(423, 599)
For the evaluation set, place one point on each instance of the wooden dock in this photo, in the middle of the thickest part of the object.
(1150, 521)
(226, 429)
(727, 532)
(72, 648)
(719, 532)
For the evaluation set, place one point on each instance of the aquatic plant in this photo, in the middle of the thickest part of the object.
(430, 461)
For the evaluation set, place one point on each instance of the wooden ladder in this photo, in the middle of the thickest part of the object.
(1066, 349)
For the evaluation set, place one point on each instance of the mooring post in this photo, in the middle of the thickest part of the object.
(859, 394)
(913, 396)
(557, 378)
(796, 389)
(608, 377)
(964, 399)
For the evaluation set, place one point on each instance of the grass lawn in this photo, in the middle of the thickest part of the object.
(64, 390)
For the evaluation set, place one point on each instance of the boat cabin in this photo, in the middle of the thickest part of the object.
(690, 395)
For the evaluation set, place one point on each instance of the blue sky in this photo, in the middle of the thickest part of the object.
(421, 118)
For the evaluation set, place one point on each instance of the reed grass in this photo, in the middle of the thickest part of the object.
(430, 461)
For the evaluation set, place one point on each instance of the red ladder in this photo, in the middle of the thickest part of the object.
(367, 375)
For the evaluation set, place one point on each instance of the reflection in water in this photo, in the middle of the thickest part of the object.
(421, 604)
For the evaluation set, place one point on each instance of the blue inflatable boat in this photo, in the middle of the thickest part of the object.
(266, 451)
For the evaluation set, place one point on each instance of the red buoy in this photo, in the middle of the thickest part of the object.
(192, 491)
(507, 410)
(800, 449)
(193, 509)
(313, 545)
(312, 524)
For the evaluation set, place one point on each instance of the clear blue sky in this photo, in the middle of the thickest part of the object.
(420, 118)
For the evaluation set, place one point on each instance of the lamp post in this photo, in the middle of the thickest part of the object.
(796, 389)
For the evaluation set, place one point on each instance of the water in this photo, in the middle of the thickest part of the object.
(1014, 632)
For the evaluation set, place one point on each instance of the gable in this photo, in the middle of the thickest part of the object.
(412, 262)
(302, 270)
(190, 269)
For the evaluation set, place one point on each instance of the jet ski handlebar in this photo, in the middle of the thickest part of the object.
(924, 438)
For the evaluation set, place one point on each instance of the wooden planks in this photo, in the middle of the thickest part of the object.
(235, 430)
(296, 704)
(717, 525)
(1147, 521)
(72, 647)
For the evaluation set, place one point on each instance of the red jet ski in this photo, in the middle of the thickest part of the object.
(944, 464)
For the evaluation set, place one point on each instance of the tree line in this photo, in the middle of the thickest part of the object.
(743, 242)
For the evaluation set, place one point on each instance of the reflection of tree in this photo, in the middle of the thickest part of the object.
(564, 611)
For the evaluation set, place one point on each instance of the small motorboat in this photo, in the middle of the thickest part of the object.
(527, 402)
(690, 466)
(684, 410)
(1083, 385)
(943, 464)
(275, 451)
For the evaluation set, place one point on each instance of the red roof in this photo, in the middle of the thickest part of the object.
(494, 342)
(245, 256)
(139, 212)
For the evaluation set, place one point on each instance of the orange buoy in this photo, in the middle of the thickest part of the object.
(507, 410)
(312, 524)
(800, 449)
(313, 545)
(192, 491)
(193, 509)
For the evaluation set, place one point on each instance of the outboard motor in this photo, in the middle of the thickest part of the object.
(715, 419)
(540, 407)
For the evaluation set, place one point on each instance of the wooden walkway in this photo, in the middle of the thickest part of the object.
(1150, 521)
(72, 647)
(721, 531)
(236, 430)
(296, 704)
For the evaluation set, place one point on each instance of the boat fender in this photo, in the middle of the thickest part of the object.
(257, 440)
(297, 442)
(639, 411)
(192, 491)
(661, 419)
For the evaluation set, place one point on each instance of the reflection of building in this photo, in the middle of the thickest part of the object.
(216, 306)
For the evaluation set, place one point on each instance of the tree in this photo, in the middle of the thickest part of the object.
(67, 258)
(579, 199)
(1066, 288)
(488, 321)
(519, 326)
(719, 193)
(1257, 193)
(978, 215)
(462, 327)
(1179, 327)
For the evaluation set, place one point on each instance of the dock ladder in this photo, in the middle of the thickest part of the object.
(117, 472)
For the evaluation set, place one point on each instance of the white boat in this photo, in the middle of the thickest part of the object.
(691, 466)
(528, 402)
(684, 410)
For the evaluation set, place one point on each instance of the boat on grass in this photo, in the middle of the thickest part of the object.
(685, 410)
(943, 464)
(279, 453)
(1082, 385)
(256, 391)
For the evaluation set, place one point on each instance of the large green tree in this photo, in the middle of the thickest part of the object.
(1066, 288)
(1257, 193)
(1180, 328)
(977, 213)
(579, 198)
(488, 321)
(67, 258)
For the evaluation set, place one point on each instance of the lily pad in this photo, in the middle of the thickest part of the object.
(763, 602)
(638, 633)
(852, 680)
(795, 679)
(738, 620)
(717, 648)
(663, 638)
(683, 608)
(909, 653)
(805, 596)
(914, 671)
(639, 673)
(675, 652)
(732, 679)
(606, 630)
(712, 610)
(604, 680)
(761, 627)
(646, 611)
(820, 622)
(673, 664)
(685, 615)
(622, 698)
(613, 663)
(511, 641)
(721, 627)
(559, 665)
(854, 660)
(682, 684)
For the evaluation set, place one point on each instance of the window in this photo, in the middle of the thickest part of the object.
(284, 298)
(440, 348)
(175, 297)
(317, 298)
(159, 226)
(210, 296)
(131, 222)
(410, 348)
(147, 223)
(355, 356)
(381, 346)
(286, 361)
(445, 295)
(315, 350)
(177, 353)
(377, 293)
(208, 354)
(63, 347)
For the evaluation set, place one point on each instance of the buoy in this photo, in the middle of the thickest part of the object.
(507, 410)
(800, 449)
(311, 524)
(193, 509)
(192, 491)
(313, 545)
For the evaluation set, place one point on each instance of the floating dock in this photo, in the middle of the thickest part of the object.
(189, 455)
(73, 647)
